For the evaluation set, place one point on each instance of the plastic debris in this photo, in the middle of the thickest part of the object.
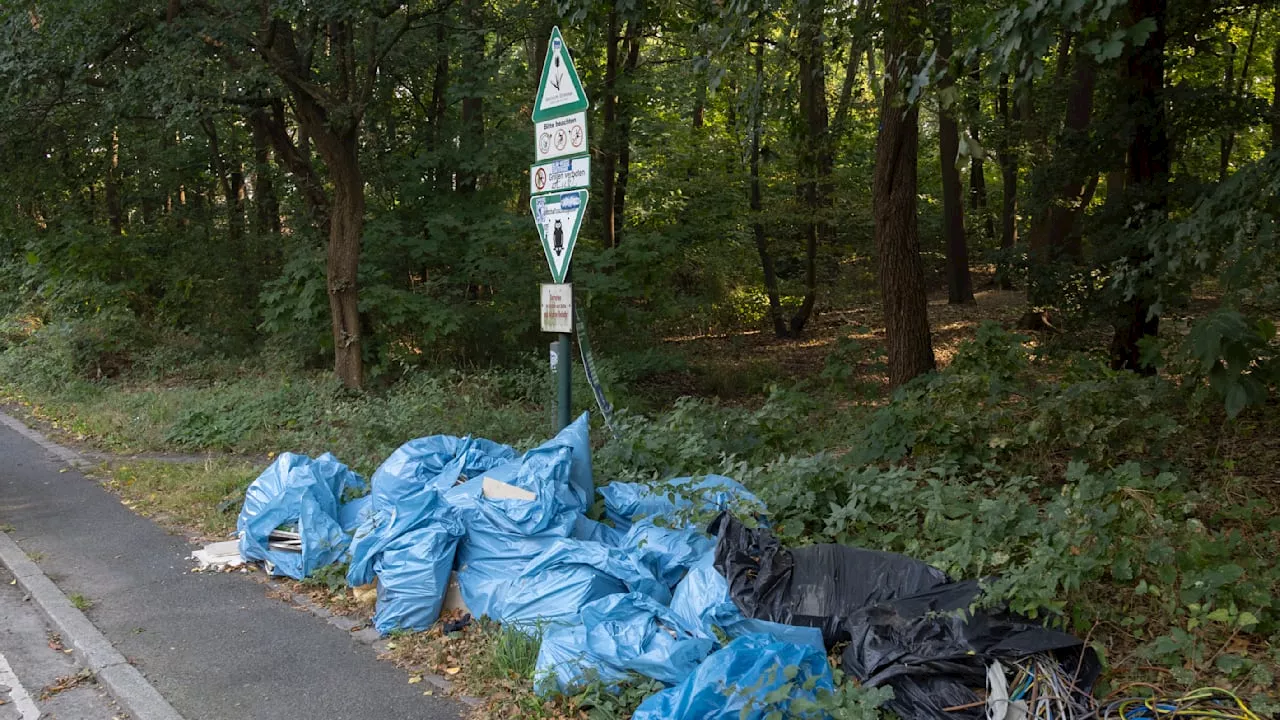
(931, 649)
(667, 552)
(619, 634)
(219, 555)
(564, 664)
(741, 682)
(407, 491)
(558, 583)
(413, 575)
(702, 603)
(506, 530)
(818, 585)
(627, 503)
(305, 496)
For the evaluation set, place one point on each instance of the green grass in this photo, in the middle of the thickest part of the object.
(80, 602)
(202, 496)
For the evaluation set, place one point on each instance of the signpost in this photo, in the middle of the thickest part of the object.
(567, 174)
(558, 198)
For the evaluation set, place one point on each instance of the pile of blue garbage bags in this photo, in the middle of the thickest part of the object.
(733, 624)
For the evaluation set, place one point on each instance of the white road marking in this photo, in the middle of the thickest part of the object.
(27, 709)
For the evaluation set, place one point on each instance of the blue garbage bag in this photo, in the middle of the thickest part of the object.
(504, 535)
(587, 529)
(667, 552)
(413, 575)
(702, 603)
(633, 632)
(732, 684)
(305, 495)
(422, 463)
(566, 665)
(406, 491)
(556, 585)
(353, 514)
(626, 503)
(619, 635)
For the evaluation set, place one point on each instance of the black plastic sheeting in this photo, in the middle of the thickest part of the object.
(906, 624)
(818, 585)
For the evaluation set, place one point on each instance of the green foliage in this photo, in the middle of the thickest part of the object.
(603, 701)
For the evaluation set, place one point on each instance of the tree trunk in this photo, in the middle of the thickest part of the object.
(816, 158)
(625, 117)
(1148, 172)
(1053, 235)
(902, 288)
(609, 147)
(757, 204)
(346, 228)
(1008, 157)
(1275, 97)
(873, 76)
(472, 140)
(959, 282)
(857, 44)
(266, 204)
(1229, 141)
(115, 207)
(977, 165)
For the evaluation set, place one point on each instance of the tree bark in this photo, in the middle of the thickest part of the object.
(115, 206)
(902, 288)
(1007, 154)
(1275, 97)
(977, 165)
(1229, 141)
(625, 117)
(1148, 172)
(609, 147)
(817, 161)
(757, 203)
(266, 204)
(346, 228)
(472, 140)
(959, 281)
(1053, 234)
(873, 76)
(857, 48)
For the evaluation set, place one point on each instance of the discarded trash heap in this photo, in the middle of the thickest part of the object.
(733, 623)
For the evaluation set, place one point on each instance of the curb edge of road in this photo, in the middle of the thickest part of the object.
(124, 681)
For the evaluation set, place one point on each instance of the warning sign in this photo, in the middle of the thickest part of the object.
(560, 137)
(560, 91)
(567, 174)
(557, 308)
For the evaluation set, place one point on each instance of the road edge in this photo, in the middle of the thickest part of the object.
(125, 683)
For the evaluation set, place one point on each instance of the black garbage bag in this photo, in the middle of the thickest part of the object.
(908, 626)
(818, 586)
(931, 650)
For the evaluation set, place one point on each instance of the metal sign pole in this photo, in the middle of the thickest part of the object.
(558, 186)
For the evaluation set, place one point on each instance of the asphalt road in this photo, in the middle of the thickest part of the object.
(213, 644)
(38, 677)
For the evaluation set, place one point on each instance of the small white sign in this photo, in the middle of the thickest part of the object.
(566, 174)
(557, 308)
(560, 137)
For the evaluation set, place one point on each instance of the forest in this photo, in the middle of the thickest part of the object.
(993, 283)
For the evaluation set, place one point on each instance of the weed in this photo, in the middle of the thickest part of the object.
(189, 494)
(80, 602)
(7, 528)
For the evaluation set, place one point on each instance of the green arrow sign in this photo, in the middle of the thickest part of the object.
(559, 217)
(560, 92)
